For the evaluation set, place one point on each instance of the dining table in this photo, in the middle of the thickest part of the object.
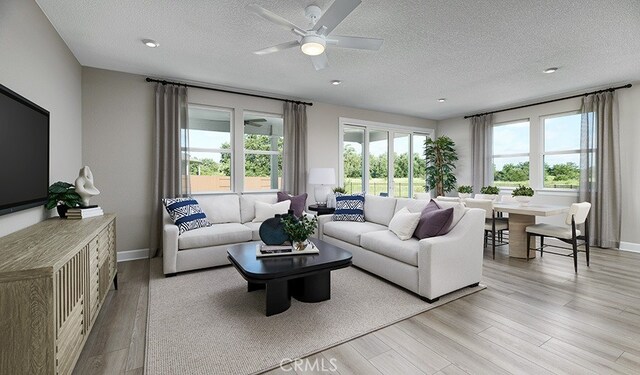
(520, 217)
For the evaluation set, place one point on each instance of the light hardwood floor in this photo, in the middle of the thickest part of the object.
(535, 317)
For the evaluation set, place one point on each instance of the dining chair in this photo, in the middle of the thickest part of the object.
(448, 199)
(578, 214)
(492, 223)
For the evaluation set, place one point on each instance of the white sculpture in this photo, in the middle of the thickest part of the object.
(84, 185)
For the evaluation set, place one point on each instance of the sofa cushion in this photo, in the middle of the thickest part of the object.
(255, 230)
(434, 221)
(297, 202)
(413, 205)
(186, 213)
(379, 210)
(458, 212)
(388, 244)
(349, 207)
(350, 231)
(221, 208)
(218, 234)
(266, 211)
(404, 223)
(248, 205)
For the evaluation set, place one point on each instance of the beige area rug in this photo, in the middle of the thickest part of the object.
(206, 322)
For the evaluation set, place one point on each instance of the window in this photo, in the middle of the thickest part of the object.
(372, 152)
(511, 154)
(561, 156)
(210, 149)
(263, 142)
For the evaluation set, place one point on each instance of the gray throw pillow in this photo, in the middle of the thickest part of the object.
(297, 202)
(434, 221)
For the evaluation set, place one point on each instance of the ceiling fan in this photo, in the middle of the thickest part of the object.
(315, 40)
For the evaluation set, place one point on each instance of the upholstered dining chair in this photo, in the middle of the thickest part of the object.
(578, 214)
(492, 223)
(448, 199)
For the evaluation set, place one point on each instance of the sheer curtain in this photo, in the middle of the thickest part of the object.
(482, 138)
(294, 161)
(171, 162)
(600, 167)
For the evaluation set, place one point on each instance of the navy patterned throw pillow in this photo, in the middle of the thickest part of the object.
(349, 207)
(186, 213)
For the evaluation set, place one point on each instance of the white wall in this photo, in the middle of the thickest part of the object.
(459, 130)
(118, 112)
(36, 63)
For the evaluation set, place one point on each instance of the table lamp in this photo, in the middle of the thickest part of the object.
(323, 178)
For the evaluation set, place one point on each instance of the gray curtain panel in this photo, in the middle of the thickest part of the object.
(294, 162)
(600, 167)
(171, 162)
(482, 139)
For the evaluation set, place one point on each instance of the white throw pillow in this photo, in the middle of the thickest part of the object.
(404, 223)
(266, 211)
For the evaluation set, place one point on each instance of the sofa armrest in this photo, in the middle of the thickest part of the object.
(169, 247)
(453, 261)
(322, 220)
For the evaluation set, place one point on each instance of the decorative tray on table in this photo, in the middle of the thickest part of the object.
(263, 250)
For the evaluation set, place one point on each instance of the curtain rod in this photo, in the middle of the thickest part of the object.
(164, 82)
(551, 101)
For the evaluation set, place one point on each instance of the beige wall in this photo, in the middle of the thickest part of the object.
(117, 115)
(629, 105)
(36, 63)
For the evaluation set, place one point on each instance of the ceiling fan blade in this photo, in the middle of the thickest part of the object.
(332, 17)
(355, 42)
(270, 16)
(320, 61)
(278, 47)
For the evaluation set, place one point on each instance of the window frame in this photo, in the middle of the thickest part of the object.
(246, 152)
(544, 153)
(391, 130)
(231, 112)
(514, 155)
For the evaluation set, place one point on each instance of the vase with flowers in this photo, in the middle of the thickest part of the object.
(299, 230)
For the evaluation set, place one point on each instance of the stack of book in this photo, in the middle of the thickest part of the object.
(83, 213)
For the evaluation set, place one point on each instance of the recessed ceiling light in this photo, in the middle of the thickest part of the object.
(150, 43)
(336, 82)
(442, 100)
(550, 70)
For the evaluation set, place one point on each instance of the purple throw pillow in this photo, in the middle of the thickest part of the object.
(297, 202)
(434, 221)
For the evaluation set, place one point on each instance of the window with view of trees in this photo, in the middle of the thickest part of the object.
(561, 157)
(263, 143)
(367, 149)
(209, 149)
(511, 154)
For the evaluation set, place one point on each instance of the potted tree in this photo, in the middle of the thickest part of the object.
(464, 191)
(441, 156)
(299, 230)
(523, 194)
(63, 196)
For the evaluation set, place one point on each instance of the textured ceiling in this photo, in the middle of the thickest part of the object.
(480, 55)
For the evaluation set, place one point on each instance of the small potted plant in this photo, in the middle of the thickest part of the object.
(331, 199)
(63, 196)
(523, 194)
(299, 230)
(464, 191)
(490, 192)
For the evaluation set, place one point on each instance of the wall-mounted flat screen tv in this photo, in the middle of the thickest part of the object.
(24, 152)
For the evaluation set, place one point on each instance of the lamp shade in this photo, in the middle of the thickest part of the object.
(322, 176)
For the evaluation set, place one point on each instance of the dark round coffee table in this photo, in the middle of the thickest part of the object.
(306, 278)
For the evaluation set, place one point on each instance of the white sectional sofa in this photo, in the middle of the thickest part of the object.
(431, 267)
(232, 215)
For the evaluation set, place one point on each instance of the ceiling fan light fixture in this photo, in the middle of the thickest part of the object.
(312, 45)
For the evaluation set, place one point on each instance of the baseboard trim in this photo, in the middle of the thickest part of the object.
(125, 256)
(630, 246)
